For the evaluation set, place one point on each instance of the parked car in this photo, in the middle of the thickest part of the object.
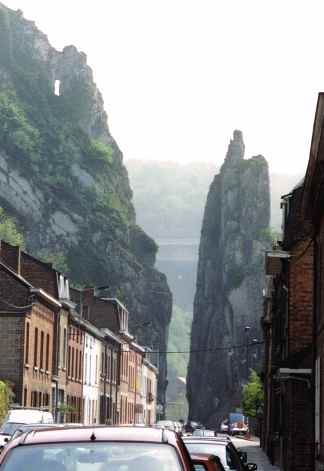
(97, 448)
(28, 415)
(230, 457)
(224, 426)
(203, 433)
(20, 416)
(166, 424)
(237, 424)
(205, 462)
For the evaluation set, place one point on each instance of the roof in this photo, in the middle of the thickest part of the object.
(101, 433)
(37, 291)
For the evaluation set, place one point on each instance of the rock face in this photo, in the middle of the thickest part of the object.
(235, 233)
(63, 178)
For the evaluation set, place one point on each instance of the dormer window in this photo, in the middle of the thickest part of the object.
(63, 288)
(123, 319)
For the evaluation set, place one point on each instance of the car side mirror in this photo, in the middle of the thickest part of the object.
(251, 466)
(199, 466)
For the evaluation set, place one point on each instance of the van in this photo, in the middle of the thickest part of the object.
(24, 415)
(17, 417)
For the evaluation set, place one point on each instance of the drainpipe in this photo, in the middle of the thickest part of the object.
(118, 378)
(105, 379)
(135, 388)
(111, 381)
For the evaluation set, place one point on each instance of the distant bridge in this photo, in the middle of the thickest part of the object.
(178, 249)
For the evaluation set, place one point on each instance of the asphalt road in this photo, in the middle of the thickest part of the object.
(255, 454)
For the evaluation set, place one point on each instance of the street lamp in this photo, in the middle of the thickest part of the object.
(247, 333)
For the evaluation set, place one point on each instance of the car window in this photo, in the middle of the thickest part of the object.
(122, 456)
(9, 428)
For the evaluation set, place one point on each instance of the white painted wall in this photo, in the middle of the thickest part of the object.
(91, 379)
(149, 408)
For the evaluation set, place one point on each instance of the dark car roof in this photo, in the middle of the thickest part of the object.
(99, 433)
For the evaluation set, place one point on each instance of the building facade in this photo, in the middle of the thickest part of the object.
(69, 350)
(27, 317)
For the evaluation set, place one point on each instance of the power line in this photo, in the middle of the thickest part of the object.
(207, 350)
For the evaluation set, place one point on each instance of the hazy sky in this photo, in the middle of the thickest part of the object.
(179, 75)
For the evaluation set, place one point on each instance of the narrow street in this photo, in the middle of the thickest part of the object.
(255, 454)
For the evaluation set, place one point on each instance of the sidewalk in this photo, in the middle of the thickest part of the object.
(255, 454)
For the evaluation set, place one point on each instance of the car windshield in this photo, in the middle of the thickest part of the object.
(225, 453)
(236, 417)
(9, 428)
(112, 456)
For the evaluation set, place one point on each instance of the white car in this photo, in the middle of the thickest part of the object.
(20, 416)
(165, 424)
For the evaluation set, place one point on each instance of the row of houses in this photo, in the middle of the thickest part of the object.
(69, 350)
(293, 323)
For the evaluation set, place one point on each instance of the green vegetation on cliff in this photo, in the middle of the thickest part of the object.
(179, 341)
(9, 231)
(63, 179)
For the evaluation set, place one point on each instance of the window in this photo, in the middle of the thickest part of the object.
(47, 352)
(102, 363)
(72, 363)
(80, 366)
(27, 344)
(64, 347)
(76, 364)
(25, 396)
(41, 356)
(125, 456)
(59, 351)
(86, 312)
(108, 366)
(36, 347)
(57, 85)
(69, 362)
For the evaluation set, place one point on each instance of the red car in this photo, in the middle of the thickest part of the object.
(203, 461)
(97, 449)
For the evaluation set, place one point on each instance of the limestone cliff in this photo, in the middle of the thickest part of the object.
(63, 178)
(229, 284)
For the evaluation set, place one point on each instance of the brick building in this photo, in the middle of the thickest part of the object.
(27, 318)
(69, 350)
(288, 434)
(313, 208)
(111, 315)
(43, 276)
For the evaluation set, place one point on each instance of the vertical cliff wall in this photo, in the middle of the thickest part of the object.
(229, 284)
(62, 176)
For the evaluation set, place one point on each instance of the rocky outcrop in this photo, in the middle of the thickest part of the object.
(235, 233)
(62, 176)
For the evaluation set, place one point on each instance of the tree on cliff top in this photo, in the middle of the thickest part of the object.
(252, 395)
(9, 231)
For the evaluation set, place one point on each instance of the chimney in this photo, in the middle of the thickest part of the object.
(11, 256)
